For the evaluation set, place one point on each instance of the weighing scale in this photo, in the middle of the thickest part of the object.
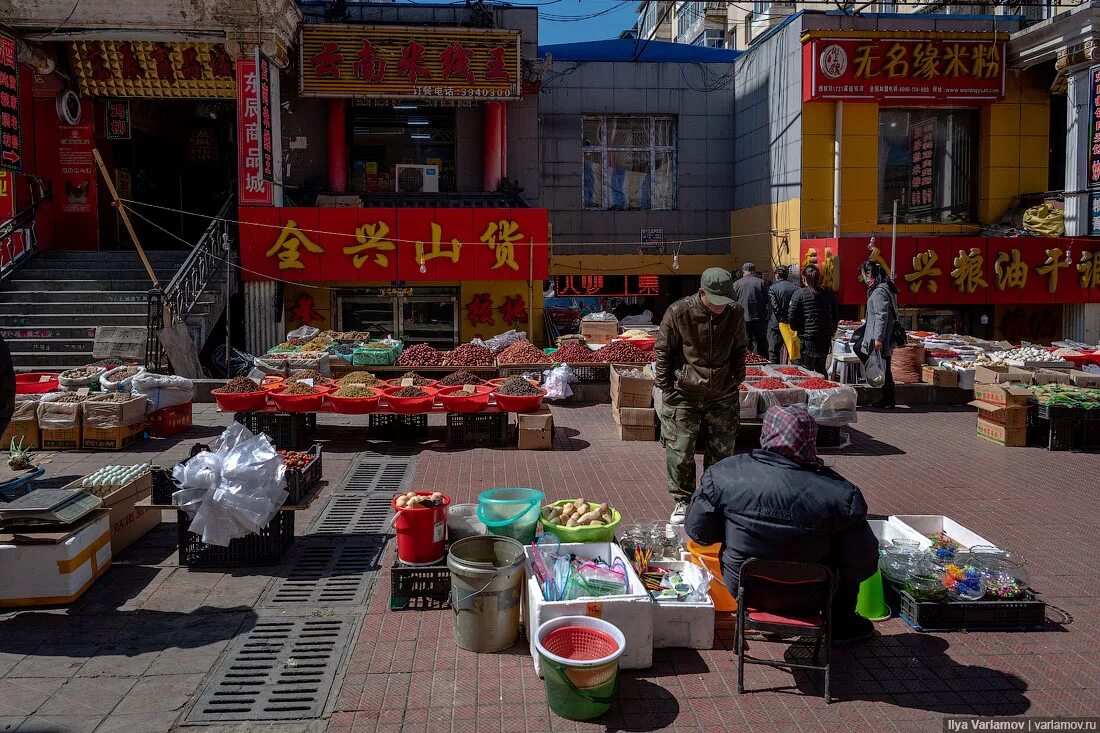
(49, 507)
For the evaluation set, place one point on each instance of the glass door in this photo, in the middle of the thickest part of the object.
(431, 319)
(374, 314)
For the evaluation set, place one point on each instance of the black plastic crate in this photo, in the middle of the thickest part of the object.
(1058, 434)
(268, 547)
(287, 430)
(399, 425)
(1089, 435)
(163, 485)
(828, 436)
(528, 371)
(477, 429)
(420, 587)
(591, 373)
(1026, 613)
(1058, 412)
(301, 481)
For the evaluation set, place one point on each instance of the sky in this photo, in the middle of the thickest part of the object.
(570, 21)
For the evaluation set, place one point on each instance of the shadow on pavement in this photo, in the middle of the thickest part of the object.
(862, 444)
(642, 706)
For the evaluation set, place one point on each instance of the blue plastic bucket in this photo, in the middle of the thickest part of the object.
(510, 513)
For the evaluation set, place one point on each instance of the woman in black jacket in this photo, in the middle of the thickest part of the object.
(813, 315)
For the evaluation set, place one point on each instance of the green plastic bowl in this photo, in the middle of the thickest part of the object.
(605, 533)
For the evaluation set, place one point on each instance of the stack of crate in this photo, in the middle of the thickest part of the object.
(632, 402)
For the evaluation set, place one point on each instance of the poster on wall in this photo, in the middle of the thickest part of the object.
(11, 134)
(74, 154)
(1094, 128)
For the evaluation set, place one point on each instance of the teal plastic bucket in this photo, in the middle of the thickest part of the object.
(580, 661)
(510, 513)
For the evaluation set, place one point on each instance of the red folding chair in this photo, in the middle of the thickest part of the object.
(783, 600)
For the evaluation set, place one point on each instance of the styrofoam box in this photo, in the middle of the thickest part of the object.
(632, 613)
(887, 531)
(678, 624)
(929, 524)
(55, 574)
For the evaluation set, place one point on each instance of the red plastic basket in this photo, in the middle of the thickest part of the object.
(410, 405)
(474, 403)
(355, 405)
(300, 402)
(30, 383)
(519, 403)
(579, 643)
(240, 401)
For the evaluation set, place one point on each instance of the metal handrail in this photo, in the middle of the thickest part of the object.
(22, 223)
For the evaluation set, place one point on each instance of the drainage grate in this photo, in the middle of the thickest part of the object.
(355, 514)
(282, 669)
(328, 573)
(374, 475)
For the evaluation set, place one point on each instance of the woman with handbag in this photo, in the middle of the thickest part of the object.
(813, 314)
(880, 334)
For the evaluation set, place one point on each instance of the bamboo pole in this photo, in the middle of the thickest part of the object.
(125, 217)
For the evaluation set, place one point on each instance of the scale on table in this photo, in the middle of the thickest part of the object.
(49, 507)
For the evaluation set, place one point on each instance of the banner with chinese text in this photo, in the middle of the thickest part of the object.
(1094, 128)
(397, 62)
(966, 270)
(252, 189)
(11, 132)
(387, 245)
(179, 70)
(118, 119)
(263, 94)
(936, 71)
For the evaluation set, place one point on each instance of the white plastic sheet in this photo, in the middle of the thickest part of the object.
(497, 343)
(835, 406)
(556, 382)
(122, 385)
(303, 332)
(162, 390)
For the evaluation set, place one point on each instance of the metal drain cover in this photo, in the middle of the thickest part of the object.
(355, 514)
(282, 669)
(378, 475)
(327, 573)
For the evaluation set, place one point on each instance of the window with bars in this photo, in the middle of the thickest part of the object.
(629, 162)
(688, 15)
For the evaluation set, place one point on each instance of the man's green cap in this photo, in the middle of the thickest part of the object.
(718, 285)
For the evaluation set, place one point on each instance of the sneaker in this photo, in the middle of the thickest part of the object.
(852, 630)
(678, 512)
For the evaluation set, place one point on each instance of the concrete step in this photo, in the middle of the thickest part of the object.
(154, 256)
(53, 319)
(76, 284)
(90, 274)
(57, 332)
(47, 348)
(50, 361)
(62, 296)
(33, 310)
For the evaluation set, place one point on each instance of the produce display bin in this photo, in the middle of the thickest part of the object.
(398, 425)
(1063, 433)
(531, 371)
(268, 547)
(287, 431)
(591, 373)
(300, 482)
(477, 429)
(927, 525)
(1089, 434)
(169, 421)
(420, 587)
(1026, 613)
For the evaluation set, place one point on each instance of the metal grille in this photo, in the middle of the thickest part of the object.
(377, 475)
(355, 514)
(282, 669)
(327, 573)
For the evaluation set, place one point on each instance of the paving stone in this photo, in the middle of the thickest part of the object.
(147, 722)
(114, 661)
(160, 693)
(24, 696)
(9, 723)
(88, 696)
(54, 660)
(60, 724)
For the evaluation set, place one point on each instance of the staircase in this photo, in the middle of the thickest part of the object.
(51, 305)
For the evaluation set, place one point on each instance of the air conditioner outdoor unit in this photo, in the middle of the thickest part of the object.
(417, 179)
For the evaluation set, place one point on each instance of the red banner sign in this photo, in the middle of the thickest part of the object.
(966, 270)
(932, 71)
(387, 245)
(11, 133)
(252, 189)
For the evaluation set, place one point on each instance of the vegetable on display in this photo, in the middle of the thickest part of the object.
(413, 500)
(579, 513)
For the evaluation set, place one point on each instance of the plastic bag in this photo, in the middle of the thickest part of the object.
(601, 316)
(750, 403)
(53, 415)
(497, 343)
(161, 390)
(874, 370)
(834, 407)
(26, 407)
(770, 398)
(122, 385)
(556, 382)
(75, 383)
(303, 332)
(234, 490)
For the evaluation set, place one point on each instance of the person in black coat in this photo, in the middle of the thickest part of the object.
(781, 503)
(814, 316)
(779, 303)
(752, 293)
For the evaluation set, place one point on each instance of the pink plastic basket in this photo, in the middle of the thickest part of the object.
(579, 643)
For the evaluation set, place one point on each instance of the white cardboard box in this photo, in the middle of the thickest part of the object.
(887, 531)
(631, 613)
(927, 525)
(55, 573)
(679, 624)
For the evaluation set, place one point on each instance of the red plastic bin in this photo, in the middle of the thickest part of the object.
(474, 403)
(300, 402)
(519, 403)
(410, 405)
(421, 533)
(32, 383)
(169, 420)
(354, 405)
(240, 401)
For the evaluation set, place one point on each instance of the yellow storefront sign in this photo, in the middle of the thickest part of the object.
(178, 70)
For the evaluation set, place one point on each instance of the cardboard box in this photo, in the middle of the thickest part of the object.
(995, 394)
(1000, 375)
(169, 421)
(25, 430)
(599, 332)
(102, 414)
(1010, 417)
(62, 439)
(113, 438)
(637, 432)
(1083, 379)
(536, 430)
(1002, 435)
(55, 567)
(630, 391)
(129, 523)
(939, 377)
(631, 416)
(1049, 376)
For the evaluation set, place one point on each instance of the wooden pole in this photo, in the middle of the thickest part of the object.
(531, 292)
(125, 217)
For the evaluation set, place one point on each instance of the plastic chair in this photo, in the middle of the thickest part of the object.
(785, 599)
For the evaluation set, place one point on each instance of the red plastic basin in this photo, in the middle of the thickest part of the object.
(241, 401)
(643, 344)
(300, 402)
(410, 405)
(32, 383)
(354, 405)
(519, 403)
(473, 403)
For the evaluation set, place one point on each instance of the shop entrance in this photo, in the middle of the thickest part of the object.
(414, 315)
(382, 138)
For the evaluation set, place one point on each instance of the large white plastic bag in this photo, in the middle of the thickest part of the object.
(750, 403)
(556, 382)
(835, 406)
(497, 343)
(162, 390)
(122, 385)
(73, 384)
(770, 398)
(303, 332)
(875, 371)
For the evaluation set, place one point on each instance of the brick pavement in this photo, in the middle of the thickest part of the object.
(132, 653)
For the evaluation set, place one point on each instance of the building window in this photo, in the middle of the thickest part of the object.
(647, 19)
(688, 15)
(761, 7)
(928, 163)
(629, 162)
(711, 39)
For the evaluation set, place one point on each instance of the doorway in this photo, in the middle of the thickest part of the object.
(413, 315)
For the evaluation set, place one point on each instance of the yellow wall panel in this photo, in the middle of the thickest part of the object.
(818, 118)
(861, 119)
(817, 184)
(817, 151)
(1035, 119)
(860, 151)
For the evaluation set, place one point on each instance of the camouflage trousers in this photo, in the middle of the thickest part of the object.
(681, 425)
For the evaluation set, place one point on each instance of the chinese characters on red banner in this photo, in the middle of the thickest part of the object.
(394, 62)
(263, 90)
(931, 70)
(252, 188)
(11, 134)
(1094, 127)
(384, 245)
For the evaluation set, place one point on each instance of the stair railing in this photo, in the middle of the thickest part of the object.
(177, 299)
(18, 239)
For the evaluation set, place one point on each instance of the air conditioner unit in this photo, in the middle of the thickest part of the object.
(417, 179)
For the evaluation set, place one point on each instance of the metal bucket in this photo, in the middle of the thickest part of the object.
(486, 583)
